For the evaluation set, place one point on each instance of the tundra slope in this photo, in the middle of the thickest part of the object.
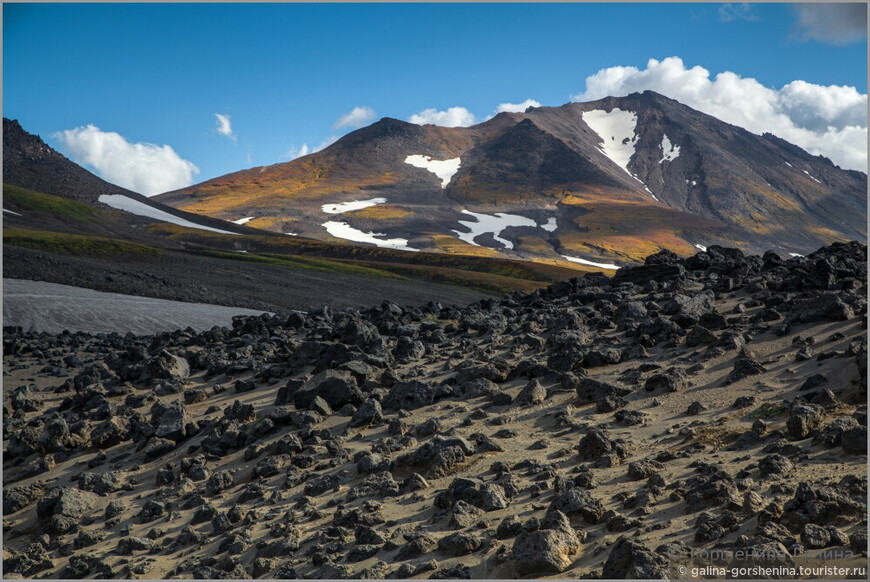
(599, 427)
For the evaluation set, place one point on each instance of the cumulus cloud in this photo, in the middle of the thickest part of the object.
(832, 23)
(736, 11)
(516, 107)
(453, 117)
(826, 120)
(224, 127)
(141, 167)
(356, 117)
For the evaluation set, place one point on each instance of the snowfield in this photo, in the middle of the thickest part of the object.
(347, 232)
(52, 308)
(670, 152)
(617, 132)
(121, 202)
(444, 169)
(590, 263)
(495, 224)
(491, 223)
(551, 225)
(342, 207)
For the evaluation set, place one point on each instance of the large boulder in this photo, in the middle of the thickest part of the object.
(547, 550)
(336, 387)
(166, 366)
(630, 559)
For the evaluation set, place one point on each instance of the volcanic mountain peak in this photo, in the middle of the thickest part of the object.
(625, 176)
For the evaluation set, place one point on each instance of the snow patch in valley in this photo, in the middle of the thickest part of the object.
(243, 220)
(444, 169)
(670, 152)
(11, 212)
(342, 207)
(127, 204)
(347, 232)
(493, 224)
(551, 225)
(701, 247)
(590, 263)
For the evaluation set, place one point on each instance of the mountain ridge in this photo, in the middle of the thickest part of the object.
(716, 184)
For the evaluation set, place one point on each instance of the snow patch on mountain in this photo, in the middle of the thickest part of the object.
(550, 226)
(618, 139)
(616, 130)
(493, 224)
(347, 232)
(670, 152)
(349, 206)
(10, 212)
(590, 263)
(243, 220)
(444, 169)
(127, 204)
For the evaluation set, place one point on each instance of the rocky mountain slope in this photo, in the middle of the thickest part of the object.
(608, 181)
(601, 427)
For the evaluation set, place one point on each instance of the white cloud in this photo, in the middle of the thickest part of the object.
(826, 120)
(141, 167)
(224, 127)
(516, 107)
(832, 22)
(453, 117)
(295, 152)
(736, 11)
(305, 149)
(356, 117)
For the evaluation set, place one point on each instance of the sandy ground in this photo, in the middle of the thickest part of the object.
(52, 308)
(548, 433)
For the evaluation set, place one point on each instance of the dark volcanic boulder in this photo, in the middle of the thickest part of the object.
(110, 433)
(671, 380)
(409, 395)
(172, 420)
(19, 497)
(640, 275)
(576, 501)
(629, 559)
(336, 387)
(167, 366)
(547, 550)
(804, 420)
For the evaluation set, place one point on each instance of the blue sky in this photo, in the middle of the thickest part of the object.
(283, 74)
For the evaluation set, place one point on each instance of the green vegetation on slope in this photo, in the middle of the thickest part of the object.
(303, 263)
(32, 201)
(75, 244)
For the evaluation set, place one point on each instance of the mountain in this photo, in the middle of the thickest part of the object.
(62, 224)
(609, 180)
